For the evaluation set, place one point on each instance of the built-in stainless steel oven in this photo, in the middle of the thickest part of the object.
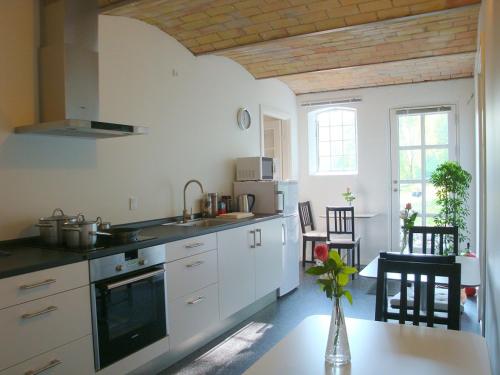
(128, 296)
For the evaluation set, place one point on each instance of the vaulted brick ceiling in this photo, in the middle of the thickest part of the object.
(322, 45)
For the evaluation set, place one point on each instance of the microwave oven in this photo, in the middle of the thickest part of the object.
(255, 168)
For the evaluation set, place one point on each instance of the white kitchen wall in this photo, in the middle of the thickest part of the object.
(191, 115)
(372, 184)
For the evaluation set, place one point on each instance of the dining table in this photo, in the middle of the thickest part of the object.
(377, 348)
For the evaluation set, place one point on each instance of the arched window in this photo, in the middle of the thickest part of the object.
(333, 141)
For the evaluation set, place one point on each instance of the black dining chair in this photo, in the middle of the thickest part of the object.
(413, 267)
(309, 232)
(341, 235)
(438, 237)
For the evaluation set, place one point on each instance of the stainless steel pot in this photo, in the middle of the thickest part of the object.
(51, 227)
(82, 233)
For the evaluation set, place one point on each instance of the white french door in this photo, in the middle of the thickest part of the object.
(421, 139)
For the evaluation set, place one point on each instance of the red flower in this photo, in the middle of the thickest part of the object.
(408, 206)
(321, 252)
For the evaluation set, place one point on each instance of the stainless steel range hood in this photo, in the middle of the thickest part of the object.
(68, 73)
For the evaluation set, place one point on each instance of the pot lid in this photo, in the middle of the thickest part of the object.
(57, 214)
(80, 220)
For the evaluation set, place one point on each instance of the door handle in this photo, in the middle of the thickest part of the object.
(41, 312)
(395, 189)
(53, 363)
(260, 237)
(253, 245)
(284, 233)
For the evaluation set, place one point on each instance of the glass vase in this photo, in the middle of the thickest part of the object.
(337, 348)
(404, 241)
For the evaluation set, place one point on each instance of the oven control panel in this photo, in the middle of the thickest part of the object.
(132, 260)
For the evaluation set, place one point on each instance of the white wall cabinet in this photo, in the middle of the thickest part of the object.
(250, 264)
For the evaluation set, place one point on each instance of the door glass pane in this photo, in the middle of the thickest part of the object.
(410, 164)
(337, 133)
(411, 193)
(409, 130)
(324, 164)
(324, 148)
(430, 200)
(433, 158)
(324, 133)
(436, 129)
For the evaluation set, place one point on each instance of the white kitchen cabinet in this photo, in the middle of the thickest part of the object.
(236, 269)
(34, 327)
(75, 358)
(190, 246)
(250, 264)
(268, 257)
(192, 314)
(189, 274)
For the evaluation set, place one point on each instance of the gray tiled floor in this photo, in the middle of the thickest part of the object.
(239, 348)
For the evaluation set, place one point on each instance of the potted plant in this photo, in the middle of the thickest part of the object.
(348, 196)
(452, 184)
(333, 277)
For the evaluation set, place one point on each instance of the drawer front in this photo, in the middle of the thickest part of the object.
(193, 314)
(191, 246)
(42, 325)
(19, 289)
(75, 358)
(187, 275)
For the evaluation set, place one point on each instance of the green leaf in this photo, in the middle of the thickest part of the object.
(336, 258)
(342, 279)
(347, 295)
(317, 270)
(349, 270)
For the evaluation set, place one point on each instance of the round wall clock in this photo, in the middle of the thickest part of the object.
(244, 119)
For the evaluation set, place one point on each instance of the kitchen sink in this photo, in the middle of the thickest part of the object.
(206, 223)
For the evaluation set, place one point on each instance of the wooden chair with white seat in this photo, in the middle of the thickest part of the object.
(308, 235)
(417, 267)
(341, 235)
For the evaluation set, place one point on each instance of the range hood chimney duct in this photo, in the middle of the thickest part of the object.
(68, 73)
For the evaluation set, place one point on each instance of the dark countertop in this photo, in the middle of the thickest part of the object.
(25, 256)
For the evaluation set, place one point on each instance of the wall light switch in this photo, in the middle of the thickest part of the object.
(133, 203)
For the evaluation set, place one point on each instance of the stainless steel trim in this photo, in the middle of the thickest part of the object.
(41, 312)
(193, 245)
(53, 363)
(196, 300)
(195, 264)
(260, 236)
(95, 330)
(253, 246)
(38, 284)
(134, 279)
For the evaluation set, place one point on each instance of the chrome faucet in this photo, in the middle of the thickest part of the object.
(185, 214)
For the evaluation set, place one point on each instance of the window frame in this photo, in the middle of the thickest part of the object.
(313, 135)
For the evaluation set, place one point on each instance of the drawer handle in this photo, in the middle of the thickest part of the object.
(195, 301)
(193, 245)
(53, 363)
(195, 264)
(36, 285)
(41, 312)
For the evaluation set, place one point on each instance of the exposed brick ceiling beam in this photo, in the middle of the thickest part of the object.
(440, 33)
(436, 68)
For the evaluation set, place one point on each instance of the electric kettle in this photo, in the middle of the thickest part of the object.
(246, 202)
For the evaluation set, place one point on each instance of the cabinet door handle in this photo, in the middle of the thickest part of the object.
(195, 264)
(193, 245)
(53, 363)
(41, 312)
(284, 233)
(195, 301)
(253, 245)
(260, 236)
(36, 285)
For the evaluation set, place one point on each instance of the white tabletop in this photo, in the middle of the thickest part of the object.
(470, 275)
(365, 215)
(377, 348)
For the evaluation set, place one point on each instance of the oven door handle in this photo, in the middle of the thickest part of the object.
(146, 275)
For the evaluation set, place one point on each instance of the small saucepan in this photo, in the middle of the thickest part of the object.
(51, 227)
